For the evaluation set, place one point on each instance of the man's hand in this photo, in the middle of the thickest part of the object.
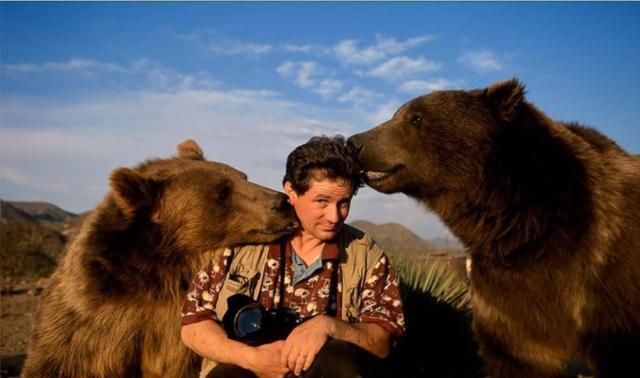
(305, 341)
(266, 363)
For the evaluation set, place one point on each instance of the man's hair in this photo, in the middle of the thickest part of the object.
(321, 157)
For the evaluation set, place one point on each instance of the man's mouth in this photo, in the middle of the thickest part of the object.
(334, 228)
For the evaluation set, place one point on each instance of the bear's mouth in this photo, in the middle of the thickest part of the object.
(372, 177)
(290, 228)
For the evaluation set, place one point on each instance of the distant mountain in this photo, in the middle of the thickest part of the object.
(395, 238)
(10, 213)
(44, 211)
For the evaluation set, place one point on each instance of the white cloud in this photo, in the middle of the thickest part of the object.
(309, 48)
(309, 75)
(302, 72)
(348, 51)
(73, 64)
(402, 66)
(384, 112)
(78, 142)
(154, 74)
(328, 87)
(360, 97)
(211, 41)
(426, 86)
(297, 48)
(481, 61)
(307, 127)
(239, 48)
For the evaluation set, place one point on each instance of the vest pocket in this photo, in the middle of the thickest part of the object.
(353, 305)
(241, 282)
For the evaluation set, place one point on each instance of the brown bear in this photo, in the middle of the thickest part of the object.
(113, 306)
(549, 211)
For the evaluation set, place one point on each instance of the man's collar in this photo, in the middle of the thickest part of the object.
(330, 251)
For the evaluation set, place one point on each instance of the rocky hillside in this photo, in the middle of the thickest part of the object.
(396, 239)
(42, 211)
(32, 239)
(28, 251)
(11, 213)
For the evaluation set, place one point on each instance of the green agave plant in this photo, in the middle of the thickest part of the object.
(439, 341)
(425, 277)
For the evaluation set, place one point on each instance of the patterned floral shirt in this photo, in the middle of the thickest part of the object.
(381, 302)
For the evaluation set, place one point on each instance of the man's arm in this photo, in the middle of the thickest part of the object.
(209, 340)
(368, 336)
(306, 340)
(381, 320)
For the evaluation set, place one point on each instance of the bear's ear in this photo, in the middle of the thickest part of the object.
(189, 149)
(506, 98)
(132, 191)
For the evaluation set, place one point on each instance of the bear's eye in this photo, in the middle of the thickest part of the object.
(224, 193)
(416, 119)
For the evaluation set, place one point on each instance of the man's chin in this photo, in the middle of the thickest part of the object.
(328, 235)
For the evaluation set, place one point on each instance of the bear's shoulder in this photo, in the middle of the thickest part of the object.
(593, 137)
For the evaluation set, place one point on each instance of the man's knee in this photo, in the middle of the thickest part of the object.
(339, 358)
(230, 371)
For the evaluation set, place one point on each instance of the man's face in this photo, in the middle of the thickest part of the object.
(323, 208)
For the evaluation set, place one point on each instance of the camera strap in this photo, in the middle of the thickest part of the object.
(283, 262)
(333, 290)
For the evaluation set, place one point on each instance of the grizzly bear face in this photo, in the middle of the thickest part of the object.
(199, 205)
(437, 142)
(497, 171)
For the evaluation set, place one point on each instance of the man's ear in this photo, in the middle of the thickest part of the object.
(290, 192)
(505, 98)
(132, 191)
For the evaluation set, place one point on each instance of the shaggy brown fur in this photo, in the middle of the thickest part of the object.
(113, 306)
(550, 213)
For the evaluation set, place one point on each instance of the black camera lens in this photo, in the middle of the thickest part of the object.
(248, 320)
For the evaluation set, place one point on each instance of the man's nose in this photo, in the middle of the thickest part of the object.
(332, 214)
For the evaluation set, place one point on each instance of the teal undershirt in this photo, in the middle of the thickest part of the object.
(301, 271)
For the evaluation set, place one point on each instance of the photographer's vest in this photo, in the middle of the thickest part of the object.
(359, 255)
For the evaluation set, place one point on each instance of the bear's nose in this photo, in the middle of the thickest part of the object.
(354, 146)
(281, 203)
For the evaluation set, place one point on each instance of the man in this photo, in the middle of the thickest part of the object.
(335, 279)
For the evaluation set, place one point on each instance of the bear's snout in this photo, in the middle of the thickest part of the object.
(355, 146)
(281, 203)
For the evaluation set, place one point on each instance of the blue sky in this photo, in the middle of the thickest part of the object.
(87, 87)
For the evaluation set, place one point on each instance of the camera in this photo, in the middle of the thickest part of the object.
(250, 323)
